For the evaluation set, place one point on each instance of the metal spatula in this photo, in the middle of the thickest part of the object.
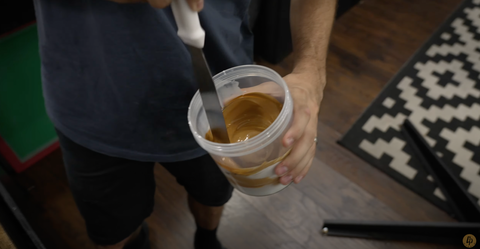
(192, 34)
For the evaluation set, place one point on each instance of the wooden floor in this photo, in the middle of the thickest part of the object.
(5, 241)
(369, 44)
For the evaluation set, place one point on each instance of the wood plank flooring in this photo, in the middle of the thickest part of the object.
(369, 45)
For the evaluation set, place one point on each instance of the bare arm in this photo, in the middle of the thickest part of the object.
(311, 24)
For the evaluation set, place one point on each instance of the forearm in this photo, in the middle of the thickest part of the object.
(311, 23)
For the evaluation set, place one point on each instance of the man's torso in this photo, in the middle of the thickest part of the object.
(118, 80)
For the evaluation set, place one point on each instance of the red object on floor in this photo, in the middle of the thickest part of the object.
(18, 165)
(5, 151)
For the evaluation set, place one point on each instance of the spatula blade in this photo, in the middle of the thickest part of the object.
(209, 95)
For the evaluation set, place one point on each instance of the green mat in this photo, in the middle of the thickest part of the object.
(24, 124)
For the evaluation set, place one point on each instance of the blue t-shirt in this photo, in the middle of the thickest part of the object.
(118, 80)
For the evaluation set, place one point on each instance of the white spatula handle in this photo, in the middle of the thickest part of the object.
(189, 29)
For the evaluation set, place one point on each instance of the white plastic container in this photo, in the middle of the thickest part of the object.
(248, 165)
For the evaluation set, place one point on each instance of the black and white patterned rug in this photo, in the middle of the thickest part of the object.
(438, 90)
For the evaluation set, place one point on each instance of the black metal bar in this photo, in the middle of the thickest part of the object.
(12, 219)
(432, 232)
(463, 205)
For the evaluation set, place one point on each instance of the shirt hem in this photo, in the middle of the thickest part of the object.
(127, 154)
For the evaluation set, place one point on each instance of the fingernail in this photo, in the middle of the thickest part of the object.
(282, 170)
(289, 142)
(199, 5)
(298, 179)
(287, 180)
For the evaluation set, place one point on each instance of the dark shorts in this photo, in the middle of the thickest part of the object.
(114, 195)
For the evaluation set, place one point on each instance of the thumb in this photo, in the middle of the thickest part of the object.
(195, 5)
